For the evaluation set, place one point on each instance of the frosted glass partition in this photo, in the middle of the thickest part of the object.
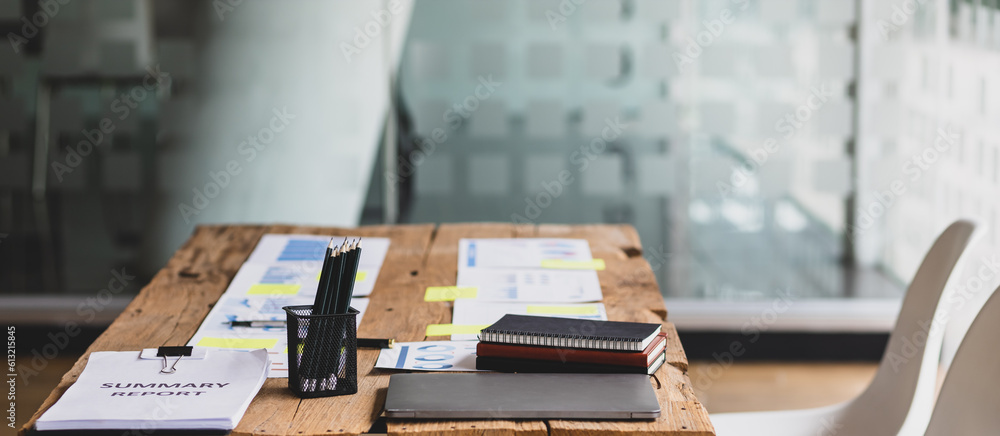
(720, 129)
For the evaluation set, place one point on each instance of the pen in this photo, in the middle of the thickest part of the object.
(256, 324)
(310, 356)
(362, 342)
(376, 343)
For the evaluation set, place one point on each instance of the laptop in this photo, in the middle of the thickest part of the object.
(505, 395)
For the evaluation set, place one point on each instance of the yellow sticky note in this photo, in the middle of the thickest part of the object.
(596, 264)
(273, 289)
(454, 329)
(237, 343)
(450, 293)
(574, 309)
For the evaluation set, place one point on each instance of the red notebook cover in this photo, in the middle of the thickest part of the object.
(622, 358)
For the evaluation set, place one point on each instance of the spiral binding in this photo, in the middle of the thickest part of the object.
(560, 341)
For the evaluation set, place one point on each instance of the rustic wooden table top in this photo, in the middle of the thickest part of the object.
(173, 305)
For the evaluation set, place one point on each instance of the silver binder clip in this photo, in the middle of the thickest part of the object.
(165, 352)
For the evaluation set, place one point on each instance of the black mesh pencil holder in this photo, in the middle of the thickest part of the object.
(322, 352)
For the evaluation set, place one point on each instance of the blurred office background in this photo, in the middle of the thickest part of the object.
(768, 149)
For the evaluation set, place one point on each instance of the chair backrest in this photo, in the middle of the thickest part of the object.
(900, 398)
(969, 397)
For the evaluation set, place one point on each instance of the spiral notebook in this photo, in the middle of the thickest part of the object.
(570, 333)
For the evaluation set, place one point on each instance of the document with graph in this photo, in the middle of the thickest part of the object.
(296, 260)
(520, 252)
(542, 270)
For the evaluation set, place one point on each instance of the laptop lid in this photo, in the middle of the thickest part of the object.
(504, 395)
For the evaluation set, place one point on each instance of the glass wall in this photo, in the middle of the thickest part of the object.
(723, 130)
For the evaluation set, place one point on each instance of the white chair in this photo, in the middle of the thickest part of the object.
(900, 398)
(967, 404)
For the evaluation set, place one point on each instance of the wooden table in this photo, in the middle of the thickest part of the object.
(173, 305)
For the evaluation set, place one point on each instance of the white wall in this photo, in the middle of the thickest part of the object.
(261, 57)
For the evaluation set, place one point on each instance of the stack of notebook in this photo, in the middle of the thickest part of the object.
(519, 343)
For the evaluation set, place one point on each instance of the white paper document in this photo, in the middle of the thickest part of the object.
(472, 312)
(532, 285)
(520, 252)
(518, 269)
(429, 356)
(299, 278)
(275, 247)
(118, 390)
(299, 258)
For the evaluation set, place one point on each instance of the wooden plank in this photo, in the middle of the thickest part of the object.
(675, 351)
(681, 414)
(272, 412)
(442, 270)
(477, 427)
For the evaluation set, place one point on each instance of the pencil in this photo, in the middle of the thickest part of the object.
(345, 289)
(324, 278)
(347, 281)
(336, 278)
(309, 354)
(330, 299)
